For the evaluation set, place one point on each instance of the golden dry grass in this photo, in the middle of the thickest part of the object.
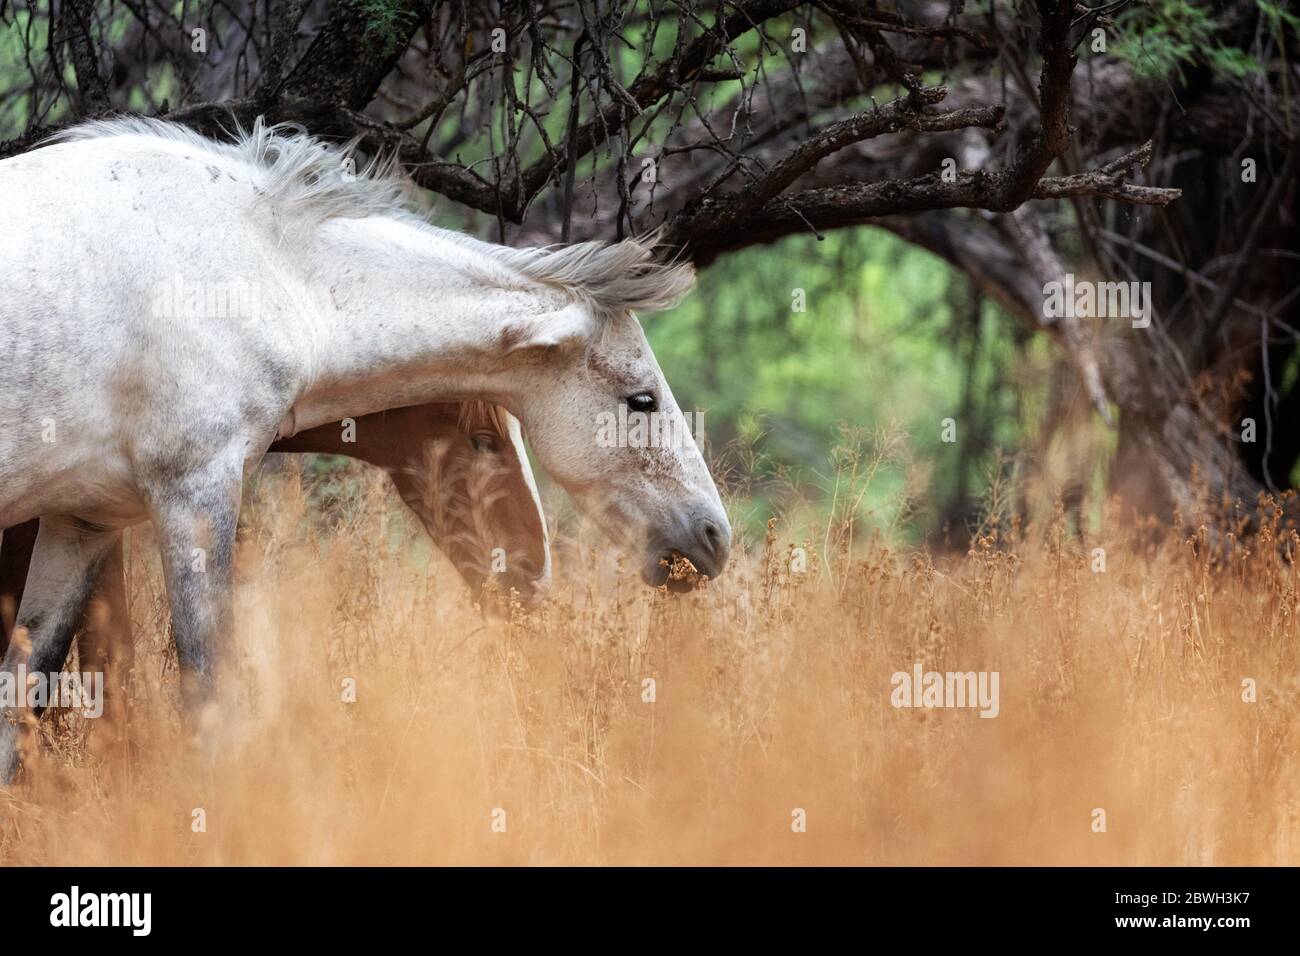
(1119, 690)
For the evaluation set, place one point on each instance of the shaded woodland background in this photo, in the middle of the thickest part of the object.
(796, 152)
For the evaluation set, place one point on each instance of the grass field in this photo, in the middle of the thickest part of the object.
(1120, 690)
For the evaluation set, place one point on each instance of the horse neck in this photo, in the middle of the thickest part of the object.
(404, 316)
(332, 439)
(389, 439)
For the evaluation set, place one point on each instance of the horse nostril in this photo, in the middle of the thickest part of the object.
(714, 540)
(712, 536)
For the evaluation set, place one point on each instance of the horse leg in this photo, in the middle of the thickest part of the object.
(66, 563)
(15, 559)
(196, 525)
(104, 642)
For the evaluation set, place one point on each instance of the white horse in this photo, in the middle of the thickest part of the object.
(170, 306)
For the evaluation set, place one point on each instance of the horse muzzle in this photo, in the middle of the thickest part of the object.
(696, 549)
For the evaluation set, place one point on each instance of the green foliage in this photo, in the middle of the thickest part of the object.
(110, 28)
(15, 115)
(880, 357)
(386, 20)
(1162, 39)
(1278, 18)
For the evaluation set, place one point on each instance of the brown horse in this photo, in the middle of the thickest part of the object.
(460, 467)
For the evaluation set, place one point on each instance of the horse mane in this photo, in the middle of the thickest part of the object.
(313, 181)
(292, 170)
(610, 277)
(476, 414)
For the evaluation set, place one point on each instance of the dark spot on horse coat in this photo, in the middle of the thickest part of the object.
(597, 365)
(511, 337)
(278, 374)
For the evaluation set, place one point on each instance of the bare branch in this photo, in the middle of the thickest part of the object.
(92, 89)
(850, 204)
(710, 216)
(351, 55)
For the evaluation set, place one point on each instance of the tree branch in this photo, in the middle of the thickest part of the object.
(645, 92)
(714, 215)
(850, 204)
(350, 56)
(92, 89)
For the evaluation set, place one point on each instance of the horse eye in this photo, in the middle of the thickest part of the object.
(484, 442)
(642, 402)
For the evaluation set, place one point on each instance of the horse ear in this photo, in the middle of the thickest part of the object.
(572, 325)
